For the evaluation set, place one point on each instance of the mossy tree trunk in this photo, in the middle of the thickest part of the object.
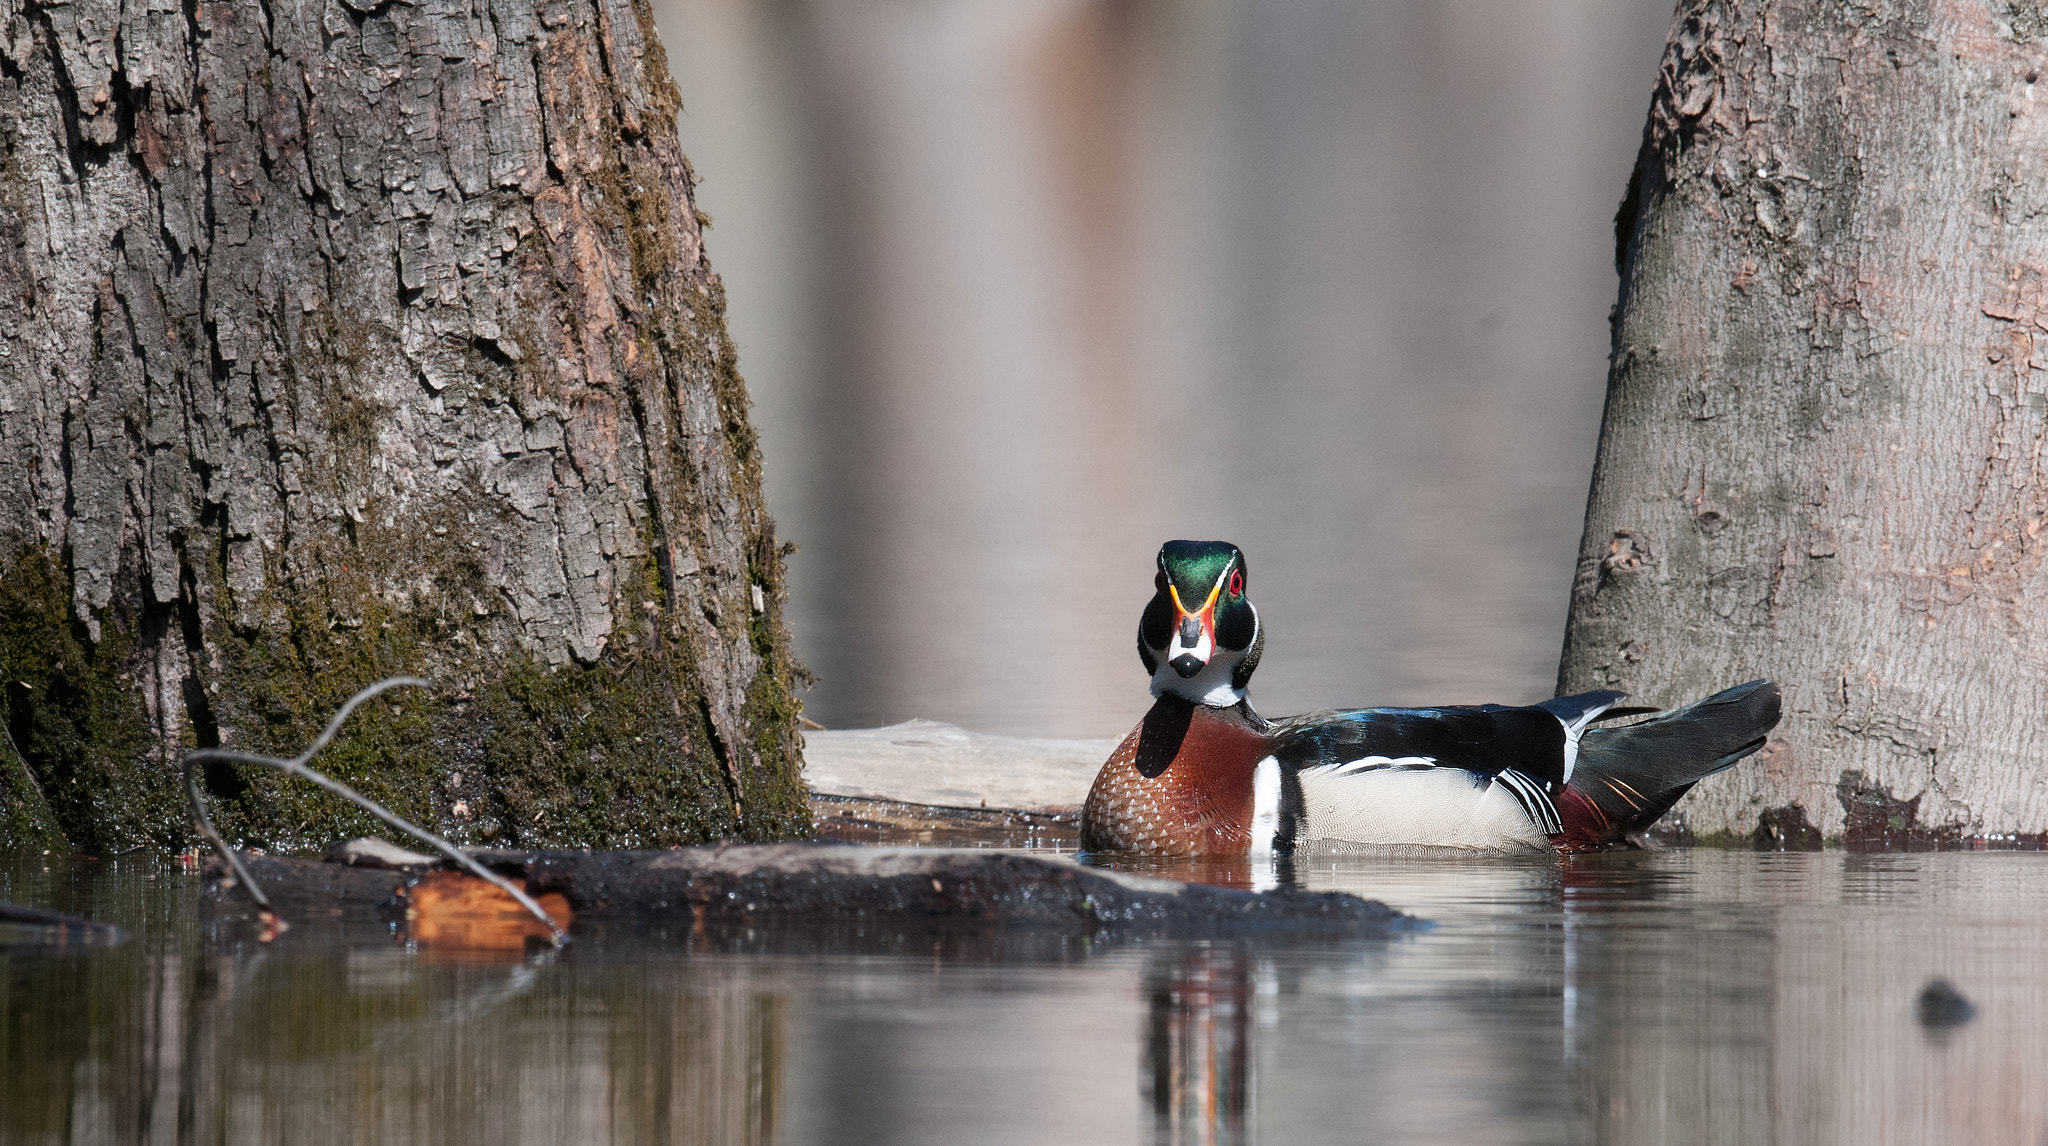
(346, 338)
(1822, 459)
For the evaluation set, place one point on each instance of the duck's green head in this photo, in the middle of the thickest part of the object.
(1199, 636)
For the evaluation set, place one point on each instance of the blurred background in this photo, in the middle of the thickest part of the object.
(1023, 288)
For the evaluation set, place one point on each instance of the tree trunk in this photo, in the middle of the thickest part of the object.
(355, 338)
(1822, 455)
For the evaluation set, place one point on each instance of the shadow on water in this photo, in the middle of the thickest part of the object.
(1685, 996)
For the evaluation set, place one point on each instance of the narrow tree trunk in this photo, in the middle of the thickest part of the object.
(346, 339)
(1822, 457)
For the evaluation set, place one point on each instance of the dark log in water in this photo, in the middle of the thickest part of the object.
(808, 883)
(34, 926)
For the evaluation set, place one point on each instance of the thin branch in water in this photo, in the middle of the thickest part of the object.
(6, 717)
(296, 766)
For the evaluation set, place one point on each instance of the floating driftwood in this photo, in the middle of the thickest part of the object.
(858, 821)
(782, 883)
(925, 762)
(483, 898)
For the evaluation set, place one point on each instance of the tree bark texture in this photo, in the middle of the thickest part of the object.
(1822, 458)
(346, 338)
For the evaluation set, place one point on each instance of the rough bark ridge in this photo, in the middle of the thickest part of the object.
(1822, 459)
(350, 338)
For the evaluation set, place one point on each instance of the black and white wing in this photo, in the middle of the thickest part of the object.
(1483, 777)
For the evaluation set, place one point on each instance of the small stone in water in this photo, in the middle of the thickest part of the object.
(1942, 1006)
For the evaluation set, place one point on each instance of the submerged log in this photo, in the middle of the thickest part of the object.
(34, 926)
(807, 883)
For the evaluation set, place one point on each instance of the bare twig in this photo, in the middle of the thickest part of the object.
(27, 771)
(296, 766)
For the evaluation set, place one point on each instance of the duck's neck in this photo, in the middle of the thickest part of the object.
(1181, 782)
(1163, 734)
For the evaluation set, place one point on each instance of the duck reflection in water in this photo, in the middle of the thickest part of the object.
(1197, 1075)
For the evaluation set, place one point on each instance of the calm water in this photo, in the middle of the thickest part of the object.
(1688, 996)
(1023, 289)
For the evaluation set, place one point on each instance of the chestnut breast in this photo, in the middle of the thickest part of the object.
(1179, 785)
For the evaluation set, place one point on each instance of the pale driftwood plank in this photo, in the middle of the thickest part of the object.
(929, 762)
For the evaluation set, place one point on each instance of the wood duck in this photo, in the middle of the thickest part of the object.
(1205, 774)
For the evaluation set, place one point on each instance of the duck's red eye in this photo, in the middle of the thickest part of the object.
(1237, 582)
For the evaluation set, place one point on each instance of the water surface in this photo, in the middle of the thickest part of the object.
(1023, 289)
(1681, 996)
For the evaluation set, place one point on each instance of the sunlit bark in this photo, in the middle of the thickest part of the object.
(1822, 454)
(349, 338)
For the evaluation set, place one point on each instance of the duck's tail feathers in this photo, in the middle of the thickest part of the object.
(1626, 778)
(1575, 712)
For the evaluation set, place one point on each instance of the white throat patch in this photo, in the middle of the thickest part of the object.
(1212, 685)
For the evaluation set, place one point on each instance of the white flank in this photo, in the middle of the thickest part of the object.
(1411, 807)
(1265, 810)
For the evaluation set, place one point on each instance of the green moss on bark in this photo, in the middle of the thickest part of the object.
(507, 750)
(779, 802)
(75, 767)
